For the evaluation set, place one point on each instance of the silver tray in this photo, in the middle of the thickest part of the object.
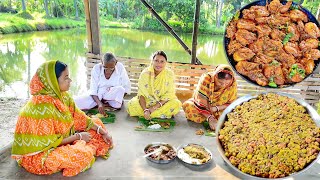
(158, 144)
(192, 164)
(312, 112)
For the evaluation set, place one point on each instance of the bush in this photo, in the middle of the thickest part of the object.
(25, 15)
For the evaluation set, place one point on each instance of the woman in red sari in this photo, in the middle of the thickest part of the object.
(215, 91)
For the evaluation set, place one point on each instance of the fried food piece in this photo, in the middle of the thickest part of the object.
(312, 54)
(253, 71)
(246, 24)
(243, 54)
(274, 72)
(309, 44)
(233, 46)
(257, 46)
(292, 28)
(286, 7)
(262, 59)
(272, 47)
(297, 15)
(297, 72)
(245, 37)
(255, 12)
(231, 29)
(311, 29)
(274, 6)
(287, 60)
(308, 65)
(276, 34)
(263, 30)
(293, 48)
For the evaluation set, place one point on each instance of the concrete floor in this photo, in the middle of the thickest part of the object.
(126, 161)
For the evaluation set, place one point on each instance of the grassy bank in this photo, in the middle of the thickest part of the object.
(17, 23)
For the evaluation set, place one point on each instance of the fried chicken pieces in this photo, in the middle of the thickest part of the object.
(274, 45)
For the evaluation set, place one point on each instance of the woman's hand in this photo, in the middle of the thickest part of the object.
(212, 122)
(85, 136)
(146, 114)
(108, 139)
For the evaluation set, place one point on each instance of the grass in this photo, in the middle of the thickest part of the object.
(16, 23)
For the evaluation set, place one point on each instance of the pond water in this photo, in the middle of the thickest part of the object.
(21, 54)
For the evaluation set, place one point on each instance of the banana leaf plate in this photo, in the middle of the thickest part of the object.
(155, 125)
(106, 120)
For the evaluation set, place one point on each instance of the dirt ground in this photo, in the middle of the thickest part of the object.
(10, 108)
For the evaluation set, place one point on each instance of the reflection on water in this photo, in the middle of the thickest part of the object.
(21, 54)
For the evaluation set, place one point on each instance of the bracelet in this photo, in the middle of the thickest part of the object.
(208, 117)
(217, 108)
(80, 136)
(146, 110)
(160, 103)
(98, 130)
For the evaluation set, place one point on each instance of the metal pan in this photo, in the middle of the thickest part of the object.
(233, 63)
(180, 155)
(159, 144)
(312, 112)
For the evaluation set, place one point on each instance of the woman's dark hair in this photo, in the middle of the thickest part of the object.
(59, 68)
(108, 57)
(161, 53)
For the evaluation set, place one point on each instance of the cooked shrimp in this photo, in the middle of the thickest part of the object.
(243, 54)
(309, 44)
(312, 29)
(262, 59)
(275, 72)
(276, 34)
(245, 37)
(297, 15)
(293, 48)
(231, 29)
(233, 46)
(246, 24)
(257, 46)
(263, 30)
(292, 28)
(272, 47)
(308, 65)
(286, 7)
(312, 54)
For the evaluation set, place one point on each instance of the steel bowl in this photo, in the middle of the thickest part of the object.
(159, 144)
(312, 112)
(233, 63)
(180, 148)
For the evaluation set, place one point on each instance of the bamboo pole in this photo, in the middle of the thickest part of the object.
(195, 32)
(88, 24)
(169, 29)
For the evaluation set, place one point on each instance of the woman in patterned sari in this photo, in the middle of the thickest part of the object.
(156, 91)
(215, 91)
(52, 134)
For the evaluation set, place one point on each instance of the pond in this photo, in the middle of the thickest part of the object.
(21, 54)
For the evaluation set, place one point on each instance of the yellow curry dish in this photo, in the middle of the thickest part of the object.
(271, 136)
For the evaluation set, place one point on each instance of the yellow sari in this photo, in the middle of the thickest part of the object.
(205, 97)
(155, 89)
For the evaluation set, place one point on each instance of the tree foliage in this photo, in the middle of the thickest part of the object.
(178, 13)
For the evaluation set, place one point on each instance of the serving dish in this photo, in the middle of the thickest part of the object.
(295, 67)
(240, 104)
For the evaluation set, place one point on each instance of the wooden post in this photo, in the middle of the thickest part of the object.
(88, 24)
(195, 32)
(95, 26)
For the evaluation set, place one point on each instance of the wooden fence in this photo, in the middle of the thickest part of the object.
(187, 76)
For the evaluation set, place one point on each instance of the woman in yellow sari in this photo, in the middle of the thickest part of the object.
(156, 91)
(215, 91)
(51, 133)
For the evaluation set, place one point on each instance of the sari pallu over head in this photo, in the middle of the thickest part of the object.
(157, 88)
(47, 117)
(205, 96)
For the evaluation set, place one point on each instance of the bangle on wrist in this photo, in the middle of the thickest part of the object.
(160, 103)
(98, 129)
(146, 110)
(217, 108)
(208, 117)
(80, 136)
